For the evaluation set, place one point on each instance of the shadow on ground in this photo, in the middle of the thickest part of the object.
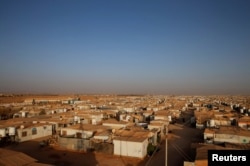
(49, 155)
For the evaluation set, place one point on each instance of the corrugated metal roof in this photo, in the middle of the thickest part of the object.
(131, 135)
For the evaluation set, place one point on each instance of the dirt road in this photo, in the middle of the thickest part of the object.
(179, 145)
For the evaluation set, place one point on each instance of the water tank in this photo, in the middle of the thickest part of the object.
(94, 121)
(127, 118)
(121, 117)
(113, 131)
(12, 131)
(2, 132)
(75, 118)
(23, 114)
(169, 118)
(212, 123)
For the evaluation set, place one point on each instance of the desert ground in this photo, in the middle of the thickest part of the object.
(58, 157)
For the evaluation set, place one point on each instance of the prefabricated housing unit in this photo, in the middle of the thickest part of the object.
(130, 146)
(32, 131)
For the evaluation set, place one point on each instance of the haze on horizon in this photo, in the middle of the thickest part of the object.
(129, 47)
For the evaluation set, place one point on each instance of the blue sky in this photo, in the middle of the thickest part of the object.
(125, 46)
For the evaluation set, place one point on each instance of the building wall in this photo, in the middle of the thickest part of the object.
(200, 126)
(103, 147)
(244, 139)
(27, 134)
(161, 117)
(231, 138)
(131, 149)
(73, 132)
(208, 135)
(128, 109)
(222, 122)
(160, 128)
(75, 144)
(114, 126)
(245, 125)
(102, 137)
(226, 138)
(242, 125)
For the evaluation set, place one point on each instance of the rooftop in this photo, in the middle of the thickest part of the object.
(202, 152)
(229, 130)
(88, 127)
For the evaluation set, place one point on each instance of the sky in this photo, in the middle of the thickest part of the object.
(182, 47)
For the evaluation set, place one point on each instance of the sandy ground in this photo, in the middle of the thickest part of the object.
(179, 145)
(52, 156)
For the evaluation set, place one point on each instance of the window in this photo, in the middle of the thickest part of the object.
(64, 132)
(79, 135)
(34, 131)
(24, 133)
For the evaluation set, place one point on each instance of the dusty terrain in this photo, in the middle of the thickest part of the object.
(179, 144)
(57, 157)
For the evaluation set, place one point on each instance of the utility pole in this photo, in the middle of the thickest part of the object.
(166, 155)
(166, 146)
